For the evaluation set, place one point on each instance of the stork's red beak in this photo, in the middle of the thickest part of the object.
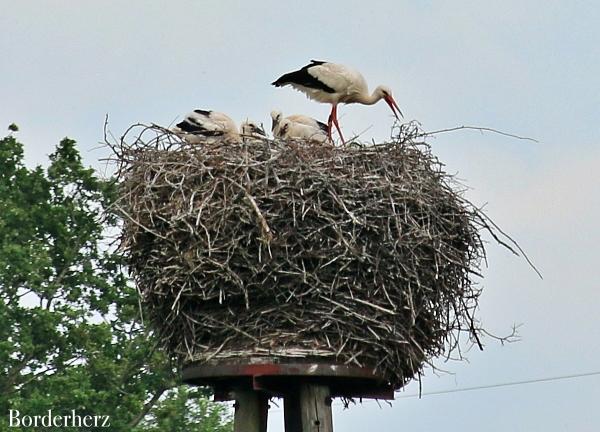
(394, 106)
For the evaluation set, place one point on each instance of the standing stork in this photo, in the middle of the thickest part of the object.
(334, 84)
(202, 126)
(298, 126)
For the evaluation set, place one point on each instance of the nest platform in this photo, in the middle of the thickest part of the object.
(277, 379)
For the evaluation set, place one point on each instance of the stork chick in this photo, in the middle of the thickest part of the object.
(204, 126)
(297, 126)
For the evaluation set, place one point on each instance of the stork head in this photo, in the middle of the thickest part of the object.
(284, 127)
(385, 93)
(276, 118)
(252, 130)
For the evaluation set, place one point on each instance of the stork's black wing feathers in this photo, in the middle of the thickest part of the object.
(323, 126)
(304, 78)
(192, 127)
(203, 112)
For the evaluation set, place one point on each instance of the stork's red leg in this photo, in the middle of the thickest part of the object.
(330, 123)
(335, 122)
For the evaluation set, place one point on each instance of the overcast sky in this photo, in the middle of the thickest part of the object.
(526, 67)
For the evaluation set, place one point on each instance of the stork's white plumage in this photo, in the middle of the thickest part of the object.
(202, 126)
(334, 84)
(292, 130)
(298, 126)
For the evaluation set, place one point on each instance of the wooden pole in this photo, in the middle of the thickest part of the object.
(315, 407)
(251, 409)
(292, 416)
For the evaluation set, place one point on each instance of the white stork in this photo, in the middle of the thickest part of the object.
(334, 84)
(298, 126)
(291, 130)
(202, 126)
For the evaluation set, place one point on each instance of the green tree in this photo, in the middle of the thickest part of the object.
(183, 409)
(69, 332)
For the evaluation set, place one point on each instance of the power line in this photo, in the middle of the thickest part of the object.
(506, 384)
(483, 387)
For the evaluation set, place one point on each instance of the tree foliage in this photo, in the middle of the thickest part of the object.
(70, 337)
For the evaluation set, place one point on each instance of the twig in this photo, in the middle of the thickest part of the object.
(481, 129)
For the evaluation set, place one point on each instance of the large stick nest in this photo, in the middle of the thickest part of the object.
(362, 255)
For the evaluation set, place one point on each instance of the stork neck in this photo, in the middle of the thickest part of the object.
(369, 99)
